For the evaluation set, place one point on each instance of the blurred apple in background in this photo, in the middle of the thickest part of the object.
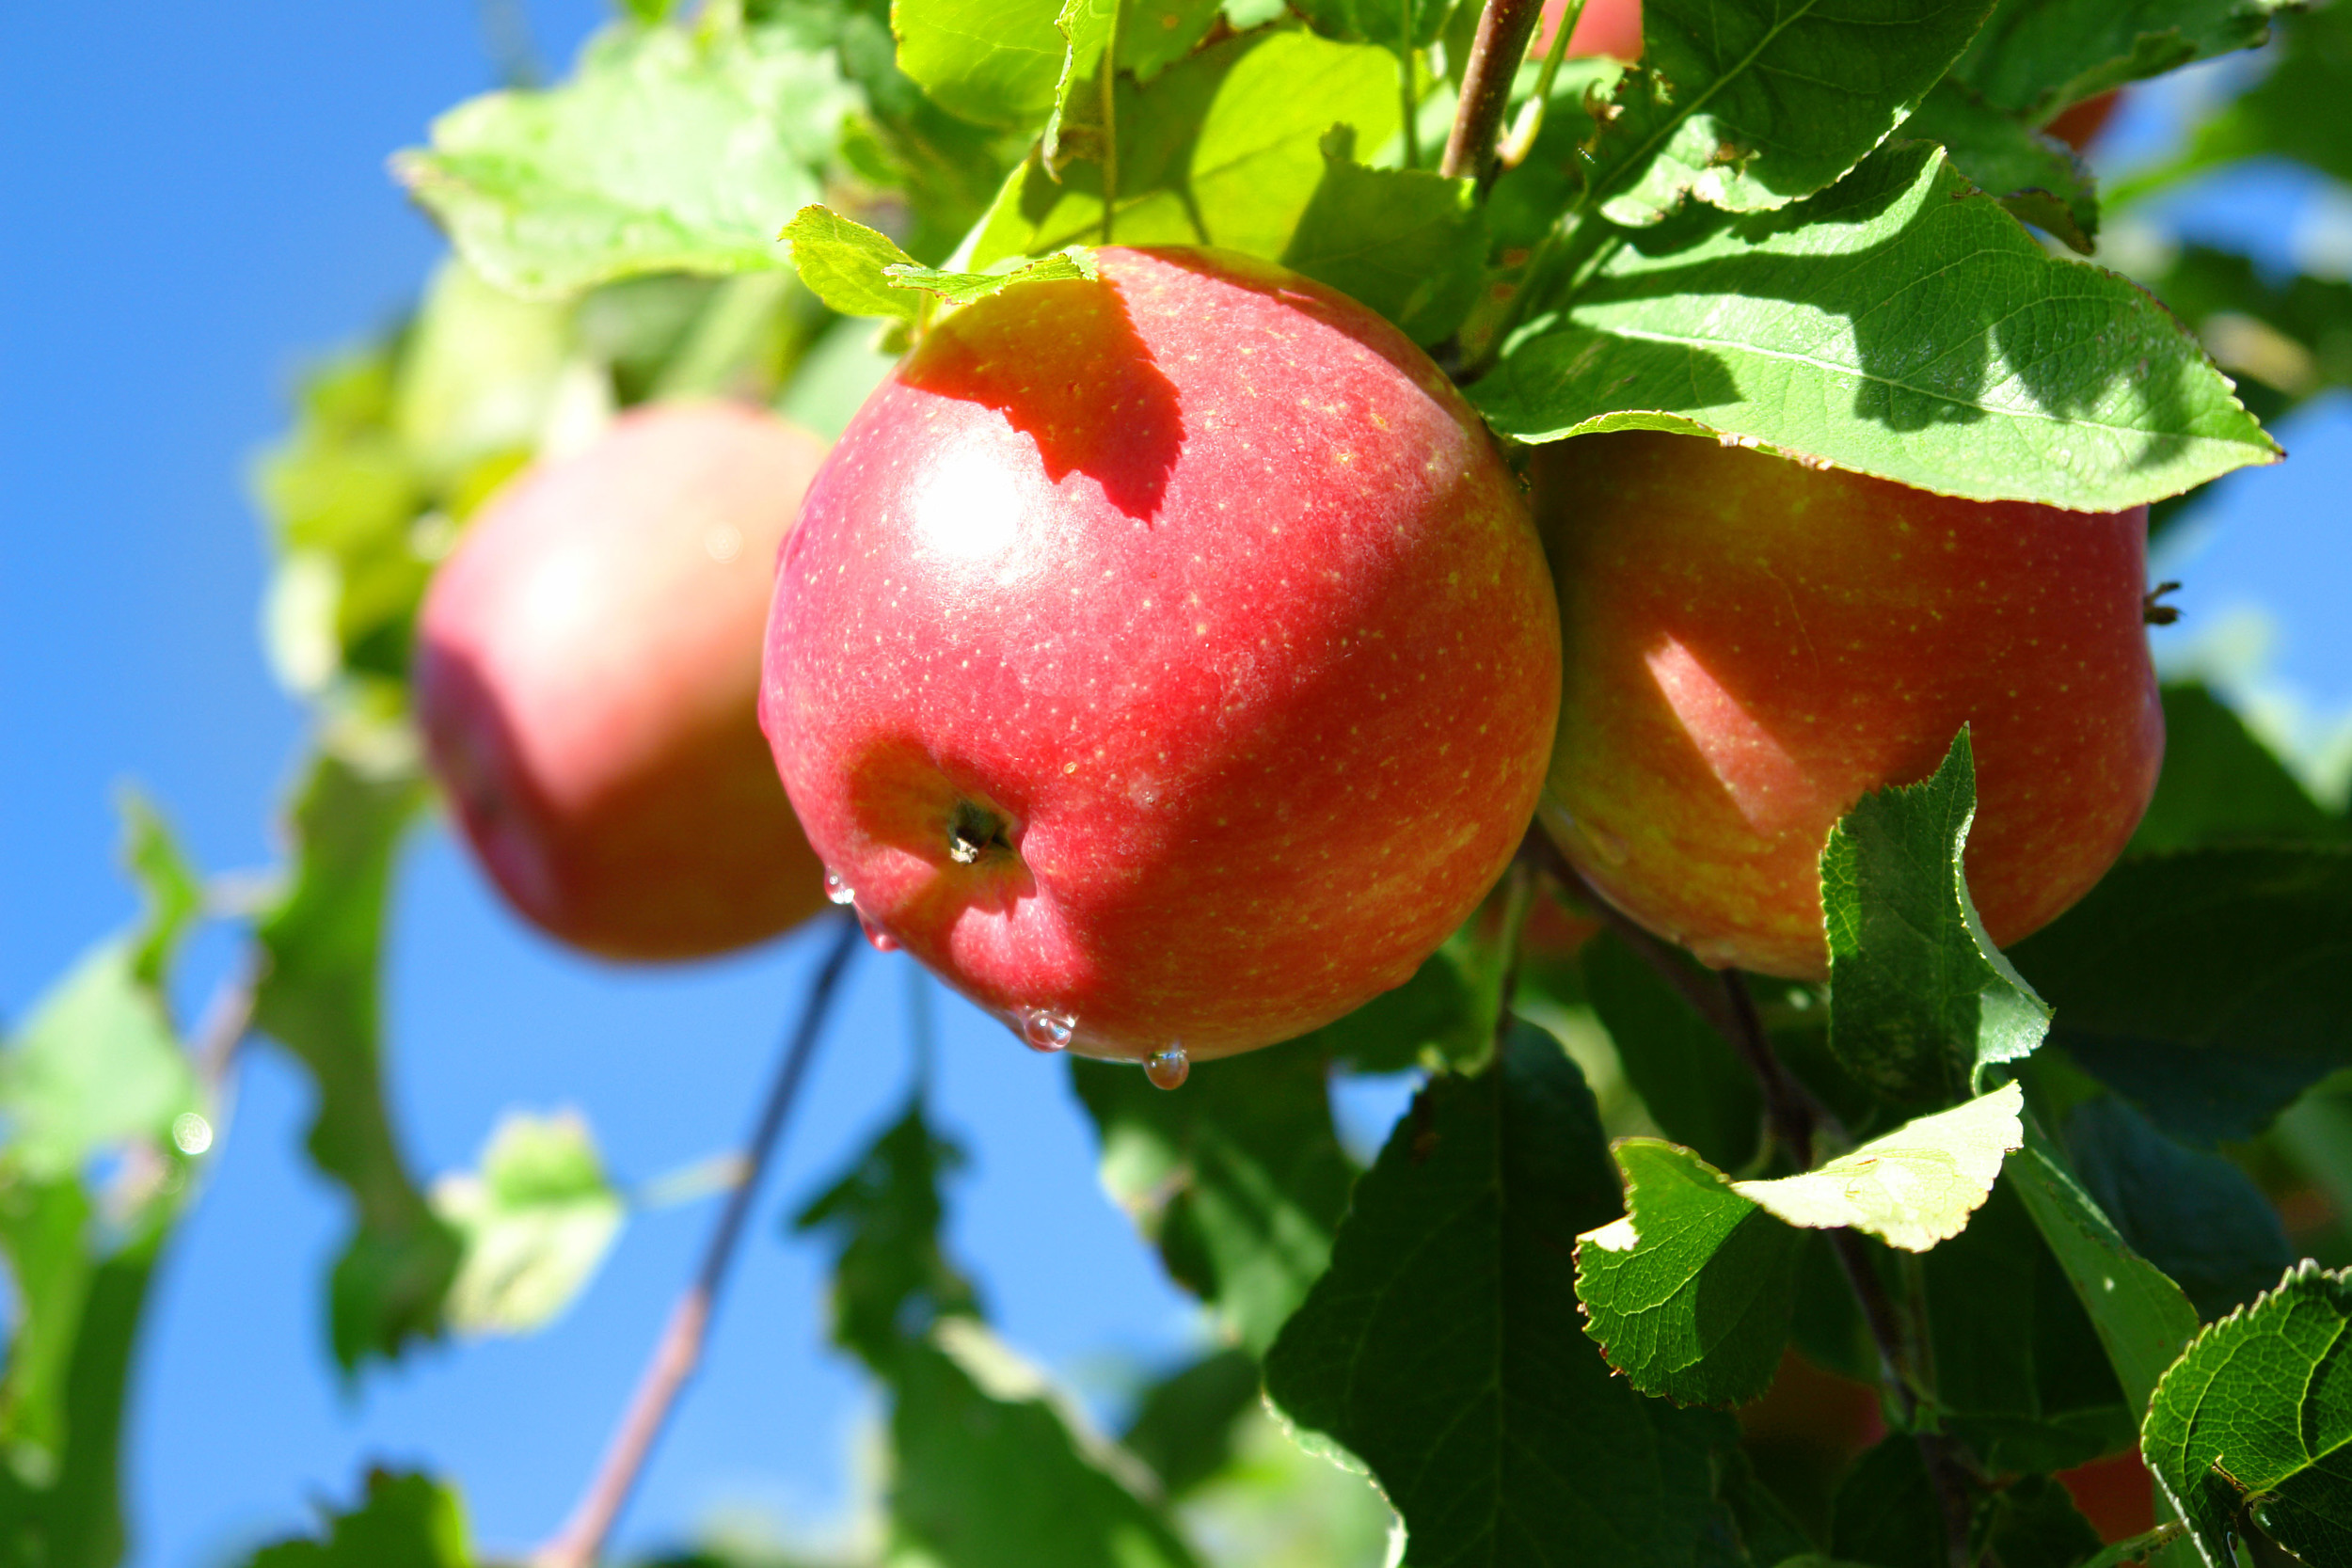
(587, 674)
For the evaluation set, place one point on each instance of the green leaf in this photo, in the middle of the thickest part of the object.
(1411, 244)
(1437, 1348)
(534, 1223)
(170, 890)
(2036, 57)
(667, 151)
(1897, 325)
(996, 61)
(2221, 785)
(96, 1065)
(1393, 25)
(891, 1278)
(2142, 1317)
(42, 1228)
(2194, 1215)
(1185, 1424)
(2038, 178)
(992, 1470)
(1689, 1295)
(1925, 1001)
(2020, 1374)
(318, 997)
(405, 1520)
(2033, 1522)
(1692, 1083)
(2257, 1416)
(1750, 105)
(1912, 1188)
(1155, 34)
(62, 1482)
(2207, 987)
(1886, 1512)
(843, 261)
(1239, 1181)
(1091, 27)
(1224, 148)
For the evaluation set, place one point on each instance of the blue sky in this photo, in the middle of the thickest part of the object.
(198, 201)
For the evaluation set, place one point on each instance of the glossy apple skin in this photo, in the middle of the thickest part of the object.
(1204, 584)
(587, 679)
(1752, 645)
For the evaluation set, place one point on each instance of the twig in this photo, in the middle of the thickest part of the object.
(1505, 29)
(679, 1349)
(227, 1020)
(1515, 147)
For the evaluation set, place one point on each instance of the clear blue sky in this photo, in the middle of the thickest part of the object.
(197, 199)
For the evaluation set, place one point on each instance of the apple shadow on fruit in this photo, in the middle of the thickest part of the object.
(1057, 398)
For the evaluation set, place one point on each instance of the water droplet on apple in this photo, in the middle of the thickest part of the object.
(878, 939)
(837, 887)
(1043, 1029)
(1168, 1067)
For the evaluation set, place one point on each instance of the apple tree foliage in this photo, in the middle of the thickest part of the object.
(2015, 1212)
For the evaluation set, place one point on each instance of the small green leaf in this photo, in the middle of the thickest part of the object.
(1912, 1188)
(535, 1222)
(2257, 1416)
(318, 997)
(2221, 785)
(1692, 1083)
(169, 887)
(405, 1520)
(666, 151)
(1900, 325)
(843, 261)
(996, 61)
(1437, 1348)
(2038, 178)
(993, 1470)
(96, 1065)
(1239, 1181)
(1925, 1001)
(2207, 987)
(1074, 264)
(2036, 57)
(1224, 148)
(1411, 244)
(1750, 105)
(2194, 1215)
(2142, 1317)
(1689, 1295)
(891, 1277)
(1090, 28)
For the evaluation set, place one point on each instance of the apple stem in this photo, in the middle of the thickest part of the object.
(1505, 29)
(678, 1350)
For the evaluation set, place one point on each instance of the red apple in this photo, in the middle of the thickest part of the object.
(1752, 645)
(2116, 1493)
(1612, 28)
(1166, 659)
(587, 675)
(2078, 124)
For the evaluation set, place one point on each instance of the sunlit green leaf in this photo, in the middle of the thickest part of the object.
(1912, 1188)
(535, 1222)
(2038, 178)
(2257, 1415)
(996, 61)
(1749, 104)
(94, 1065)
(405, 1520)
(668, 150)
(1408, 243)
(169, 887)
(1897, 325)
(1925, 1001)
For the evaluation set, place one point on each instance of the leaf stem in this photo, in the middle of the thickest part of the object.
(1505, 29)
(675, 1354)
